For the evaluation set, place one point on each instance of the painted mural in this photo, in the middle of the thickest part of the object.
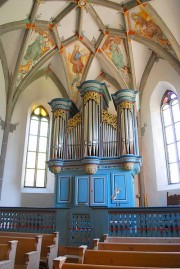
(77, 56)
(140, 22)
(40, 42)
(114, 48)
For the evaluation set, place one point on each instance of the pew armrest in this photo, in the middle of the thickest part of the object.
(73, 254)
(95, 243)
(7, 264)
(32, 260)
(58, 262)
(51, 255)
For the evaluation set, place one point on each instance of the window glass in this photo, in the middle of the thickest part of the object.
(167, 117)
(44, 128)
(169, 134)
(32, 143)
(34, 127)
(175, 111)
(174, 172)
(172, 153)
(177, 130)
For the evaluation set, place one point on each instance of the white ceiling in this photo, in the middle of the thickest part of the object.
(114, 48)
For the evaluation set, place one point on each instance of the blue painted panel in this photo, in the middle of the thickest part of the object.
(99, 190)
(82, 190)
(64, 190)
(122, 189)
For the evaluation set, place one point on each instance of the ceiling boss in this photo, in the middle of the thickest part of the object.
(82, 3)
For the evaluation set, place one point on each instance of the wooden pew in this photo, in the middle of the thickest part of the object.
(111, 239)
(133, 258)
(73, 254)
(8, 252)
(59, 263)
(49, 247)
(49, 250)
(27, 256)
(157, 247)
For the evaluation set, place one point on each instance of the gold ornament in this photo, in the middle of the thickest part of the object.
(74, 121)
(126, 104)
(82, 3)
(92, 96)
(127, 166)
(90, 168)
(109, 118)
(55, 169)
(60, 113)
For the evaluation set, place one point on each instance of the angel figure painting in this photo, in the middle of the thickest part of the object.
(40, 42)
(77, 56)
(114, 49)
(142, 23)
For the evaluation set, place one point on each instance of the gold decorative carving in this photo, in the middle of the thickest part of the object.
(109, 118)
(90, 168)
(60, 113)
(127, 166)
(126, 104)
(55, 169)
(92, 96)
(73, 122)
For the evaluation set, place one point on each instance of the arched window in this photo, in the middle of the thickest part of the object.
(35, 170)
(171, 130)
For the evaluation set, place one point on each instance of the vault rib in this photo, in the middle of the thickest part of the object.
(65, 12)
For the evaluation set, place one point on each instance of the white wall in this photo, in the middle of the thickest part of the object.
(2, 101)
(161, 78)
(39, 92)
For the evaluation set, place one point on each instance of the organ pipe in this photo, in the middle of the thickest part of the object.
(87, 133)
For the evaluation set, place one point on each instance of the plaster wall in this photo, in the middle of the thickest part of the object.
(39, 92)
(161, 78)
(2, 101)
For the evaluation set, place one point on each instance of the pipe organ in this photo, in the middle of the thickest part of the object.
(94, 148)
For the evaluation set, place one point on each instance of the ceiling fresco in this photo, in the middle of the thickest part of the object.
(141, 23)
(39, 43)
(72, 40)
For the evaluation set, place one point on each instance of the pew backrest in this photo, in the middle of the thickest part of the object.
(168, 240)
(133, 258)
(8, 252)
(25, 245)
(47, 245)
(60, 263)
(158, 247)
(73, 254)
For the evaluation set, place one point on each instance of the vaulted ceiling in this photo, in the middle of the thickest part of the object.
(74, 40)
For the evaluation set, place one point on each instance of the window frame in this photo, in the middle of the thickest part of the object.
(166, 100)
(40, 117)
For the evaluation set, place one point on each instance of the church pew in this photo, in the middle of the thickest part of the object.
(73, 254)
(27, 256)
(157, 247)
(133, 258)
(111, 239)
(49, 247)
(59, 263)
(8, 252)
(7, 264)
